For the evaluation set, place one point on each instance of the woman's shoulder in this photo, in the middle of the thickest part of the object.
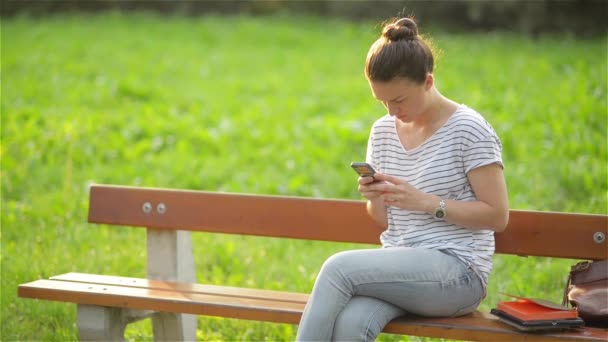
(466, 118)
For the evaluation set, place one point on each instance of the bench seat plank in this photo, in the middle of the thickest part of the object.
(260, 305)
(227, 291)
(480, 326)
(164, 300)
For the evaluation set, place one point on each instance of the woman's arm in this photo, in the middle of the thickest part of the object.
(376, 208)
(490, 211)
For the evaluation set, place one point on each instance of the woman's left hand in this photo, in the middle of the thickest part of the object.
(399, 193)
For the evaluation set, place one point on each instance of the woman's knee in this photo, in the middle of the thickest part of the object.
(336, 264)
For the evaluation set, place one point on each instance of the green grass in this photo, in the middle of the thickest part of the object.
(260, 105)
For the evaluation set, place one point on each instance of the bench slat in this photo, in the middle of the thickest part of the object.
(163, 300)
(279, 296)
(276, 216)
(531, 233)
(480, 326)
(260, 305)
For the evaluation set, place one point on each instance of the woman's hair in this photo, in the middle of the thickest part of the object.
(399, 52)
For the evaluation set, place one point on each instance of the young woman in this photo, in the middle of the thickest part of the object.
(439, 194)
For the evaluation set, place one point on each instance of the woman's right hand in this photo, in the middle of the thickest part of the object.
(367, 190)
(375, 204)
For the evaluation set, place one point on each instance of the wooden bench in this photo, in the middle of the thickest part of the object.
(106, 304)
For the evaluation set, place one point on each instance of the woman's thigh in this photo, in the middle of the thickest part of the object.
(419, 281)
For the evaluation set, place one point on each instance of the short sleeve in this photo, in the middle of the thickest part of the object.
(369, 156)
(485, 151)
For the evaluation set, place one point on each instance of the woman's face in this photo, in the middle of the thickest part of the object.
(404, 99)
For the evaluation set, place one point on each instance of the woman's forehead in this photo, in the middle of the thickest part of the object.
(389, 90)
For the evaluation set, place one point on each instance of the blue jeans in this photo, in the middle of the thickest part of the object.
(358, 292)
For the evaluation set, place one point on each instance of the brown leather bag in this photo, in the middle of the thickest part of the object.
(587, 290)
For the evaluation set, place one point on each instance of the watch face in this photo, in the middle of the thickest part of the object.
(439, 213)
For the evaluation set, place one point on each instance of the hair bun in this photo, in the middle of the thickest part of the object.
(402, 29)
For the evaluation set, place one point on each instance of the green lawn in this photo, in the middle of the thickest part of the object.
(260, 105)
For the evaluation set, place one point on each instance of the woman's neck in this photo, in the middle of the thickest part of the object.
(439, 108)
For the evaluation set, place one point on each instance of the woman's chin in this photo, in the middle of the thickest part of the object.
(403, 118)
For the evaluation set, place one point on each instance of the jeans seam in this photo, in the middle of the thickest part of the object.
(439, 282)
(371, 319)
(467, 275)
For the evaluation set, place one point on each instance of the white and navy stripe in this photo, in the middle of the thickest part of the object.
(438, 166)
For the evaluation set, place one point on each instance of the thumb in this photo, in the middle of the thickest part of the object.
(391, 179)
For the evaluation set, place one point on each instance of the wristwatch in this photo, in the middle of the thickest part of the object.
(441, 212)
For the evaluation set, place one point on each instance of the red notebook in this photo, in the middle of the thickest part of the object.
(531, 309)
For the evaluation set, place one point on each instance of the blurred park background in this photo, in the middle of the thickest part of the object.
(268, 97)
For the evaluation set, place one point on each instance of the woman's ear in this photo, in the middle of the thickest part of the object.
(429, 81)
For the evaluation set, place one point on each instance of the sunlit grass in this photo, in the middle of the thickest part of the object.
(259, 105)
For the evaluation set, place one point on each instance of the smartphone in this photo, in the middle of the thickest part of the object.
(363, 169)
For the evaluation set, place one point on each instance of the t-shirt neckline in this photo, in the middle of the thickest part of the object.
(413, 150)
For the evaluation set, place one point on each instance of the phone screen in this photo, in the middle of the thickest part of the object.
(363, 169)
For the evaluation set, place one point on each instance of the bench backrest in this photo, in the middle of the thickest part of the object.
(550, 234)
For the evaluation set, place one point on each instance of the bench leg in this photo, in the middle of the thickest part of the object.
(174, 327)
(99, 323)
(170, 259)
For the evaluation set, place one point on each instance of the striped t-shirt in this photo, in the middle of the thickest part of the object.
(438, 166)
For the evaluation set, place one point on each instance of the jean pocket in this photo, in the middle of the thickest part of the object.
(474, 294)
